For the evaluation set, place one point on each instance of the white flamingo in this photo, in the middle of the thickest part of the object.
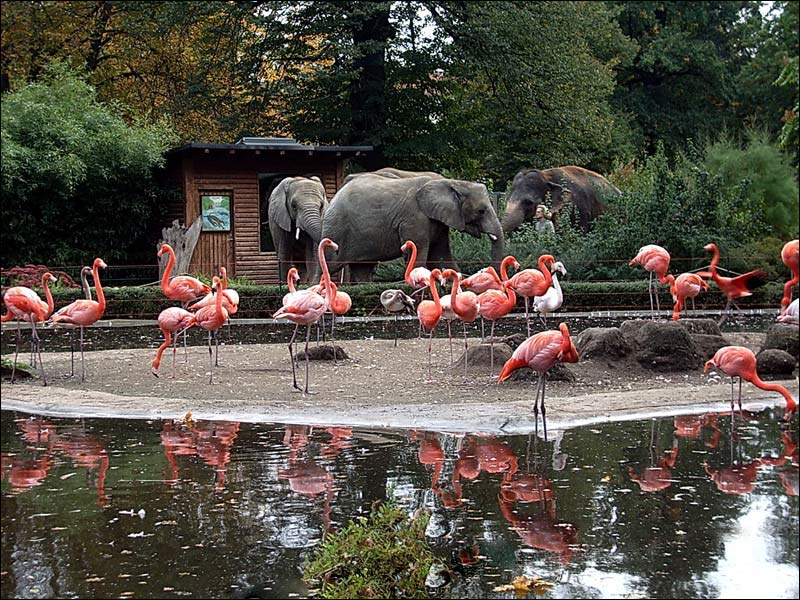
(553, 298)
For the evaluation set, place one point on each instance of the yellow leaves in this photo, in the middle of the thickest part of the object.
(188, 421)
(523, 585)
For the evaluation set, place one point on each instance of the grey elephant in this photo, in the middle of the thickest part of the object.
(372, 216)
(393, 173)
(296, 208)
(529, 187)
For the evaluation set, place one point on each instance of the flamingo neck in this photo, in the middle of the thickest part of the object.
(512, 297)
(101, 297)
(713, 266)
(219, 295)
(411, 261)
(224, 272)
(548, 276)
(168, 270)
(290, 282)
(435, 292)
(326, 276)
(49, 296)
(504, 266)
(791, 405)
(454, 293)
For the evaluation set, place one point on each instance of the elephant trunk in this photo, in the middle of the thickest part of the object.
(513, 218)
(310, 221)
(495, 233)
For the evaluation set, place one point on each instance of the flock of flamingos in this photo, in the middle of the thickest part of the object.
(486, 294)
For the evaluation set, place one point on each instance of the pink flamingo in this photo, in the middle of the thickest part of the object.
(230, 300)
(416, 277)
(23, 304)
(738, 361)
(171, 320)
(685, 285)
(429, 312)
(790, 255)
(740, 286)
(339, 305)
(465, 305)
(84, 312)
(211, 318)
(488, 279)
(541, 352)
(530, 283)
(654, 259)
(493, 304)
(306, 307)
(183, 287)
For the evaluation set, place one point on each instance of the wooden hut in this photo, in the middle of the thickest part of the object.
(229, 185)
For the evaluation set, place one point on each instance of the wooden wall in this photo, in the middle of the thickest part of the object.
(236, 172)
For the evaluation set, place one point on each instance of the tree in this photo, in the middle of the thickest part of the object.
(77, 180)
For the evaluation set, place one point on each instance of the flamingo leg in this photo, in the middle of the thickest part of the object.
(395, 330)
(466, 350)
(36, 347)
(333, 343)
(544, 420)
(210, 359)
(536, 406)
(308, 339)
(72, 352)
(16, 354)
(83, 365)
(450, 337)
(650, 293)
(655, 293)
(216, 352)
(741, 413)
(430, 344)
(174, 354)
(491, 351)
(527, 317)
(291, 357)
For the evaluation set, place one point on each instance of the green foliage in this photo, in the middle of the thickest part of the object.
(770, 178)
(383, 556)
(77, 180)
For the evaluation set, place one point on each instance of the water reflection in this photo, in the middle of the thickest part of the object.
(111, 508)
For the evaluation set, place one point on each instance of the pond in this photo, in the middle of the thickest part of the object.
(699, 505)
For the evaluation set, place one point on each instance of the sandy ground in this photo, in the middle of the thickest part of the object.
(378, 386)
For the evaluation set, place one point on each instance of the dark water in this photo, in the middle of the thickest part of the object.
(698, 506)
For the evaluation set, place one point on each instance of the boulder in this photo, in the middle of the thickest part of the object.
(783, 336)
(703, 326)
(322, 352)
(559, 372)
(773, 362)
(665, 346)
(480, 358)
(707, 345)
(602, 342)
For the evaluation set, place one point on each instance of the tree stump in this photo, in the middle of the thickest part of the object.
(183, 241)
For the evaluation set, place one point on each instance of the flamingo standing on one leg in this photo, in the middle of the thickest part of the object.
(211, 318)
(171, 320)
(306, 307)
(738, 361)
(790, 255)
(733, 287)
(84, 312)
(529, 283)
(492, 305)
(466, 307)
(396, 301)
(23, 304)
(655, 259)
(429, 312)
(541, 352)
(685, 285)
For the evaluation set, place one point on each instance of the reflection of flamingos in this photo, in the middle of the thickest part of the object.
(733, 287)
(655, 259)
(25, 473)
(790, 476)
(84, 312)
(529, 283)
(177, 440)
(655, 478)
(306, 307)
(692, 426)
(171, 320)
(24, 304)
(87, 450)
(738, 361)
(540, 529)
(790, 255)
(541, 352)
(214, 441)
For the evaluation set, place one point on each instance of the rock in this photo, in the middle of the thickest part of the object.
(782, 336)
(707, 345)
(322, 352)
(775, 362)
(631, 327)
(480, 358)
(704, 326)
(665, 346)
(600, 342)
(559, 372)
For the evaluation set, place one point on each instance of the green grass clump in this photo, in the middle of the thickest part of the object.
(383, 556)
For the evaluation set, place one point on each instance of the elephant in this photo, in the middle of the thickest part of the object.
(393, 173)
(296, 208)
(372, 216)
(584, 187)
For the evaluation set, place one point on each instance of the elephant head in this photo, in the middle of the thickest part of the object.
(528, 190)
(465, 206)
(296, 207)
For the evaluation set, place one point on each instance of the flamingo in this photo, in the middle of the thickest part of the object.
(791, 314)
(183, 287)
(171, 320)
(529, 283)
(685, 285)
(211, 318)
(449, 315)
(465, 305)
(417, 278)
(553, 298)
(790, 255)
(493, 304)
(23, 304)
(339, 305)
(733, 287)
(429, 312)
(306, 307)
(655, 259)
(396, 301)
(487, 279)
(738, 361)
(230, 300)
(541, 352)
(84, 312)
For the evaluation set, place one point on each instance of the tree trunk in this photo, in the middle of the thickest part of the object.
(183, 241)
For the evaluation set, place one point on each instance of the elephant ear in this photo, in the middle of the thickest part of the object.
(442, 200)
(278, 211)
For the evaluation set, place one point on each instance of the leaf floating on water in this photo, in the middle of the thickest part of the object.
(67, 476)
(606, 479)
(166, 523)
(94, 579)
(524, 585)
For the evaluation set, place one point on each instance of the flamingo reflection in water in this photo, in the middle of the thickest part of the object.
(210, 440)
(86, 450)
